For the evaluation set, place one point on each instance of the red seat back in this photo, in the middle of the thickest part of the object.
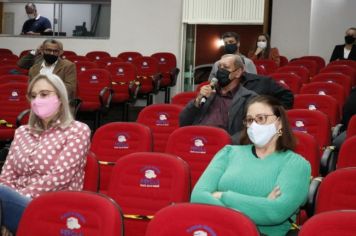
(92, 173)
(314, 122)
(187, 219)
(144, 182)
(323, 103)
(13, 78)
(324, 88)
(85, 65)
(25, 52)
(129, 56)
(104, 62)
(116, 139)
(333, 77)
(330, 224)
(97, 55)
(308, 148)
(319, 60)
(297, 69)
(5, 51)
(183, 98)
(311, 65)
(337, 191)
(346, 156)
(344, 62)
(76, 59)
(268, 64)
(283, 60)
(12, 69)
(67, 53)
(167, 62)
(351, 128)
(261, 70)
(163, 119)
(90, 84)
(71, 213)
(293, 81)
(146, 68)
(344, 69)
(197, 145)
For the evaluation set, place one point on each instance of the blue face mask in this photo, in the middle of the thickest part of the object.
(230, 48)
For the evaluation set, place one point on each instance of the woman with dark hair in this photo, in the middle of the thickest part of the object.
(264, 178)
(263, 50)
(346, 51)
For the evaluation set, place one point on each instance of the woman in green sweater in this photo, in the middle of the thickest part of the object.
(264, 179)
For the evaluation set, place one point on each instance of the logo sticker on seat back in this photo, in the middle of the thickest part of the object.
(150, 177)
(198, 145)
(73, 224)
(14, 96)
(122, 141)
(162, 119)
(201, 230)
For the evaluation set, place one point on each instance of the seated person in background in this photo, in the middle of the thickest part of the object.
(36, 24)
(349, 110)
(263, 50)
(264, 178)
(48, 154)
(223, 108)
(34, 56)
(346, 51)
(232, 45)
(51, 62)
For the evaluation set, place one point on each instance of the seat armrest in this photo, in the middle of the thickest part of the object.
(174, 75)
(21, 116)
(328, 161)
(313, 190)
(336, 130)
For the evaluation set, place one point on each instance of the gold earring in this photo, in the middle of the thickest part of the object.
(280, 132)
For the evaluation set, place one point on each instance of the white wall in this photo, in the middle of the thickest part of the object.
(311, 27)
(290, 27)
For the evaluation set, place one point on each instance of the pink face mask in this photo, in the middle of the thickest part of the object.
(45, 107)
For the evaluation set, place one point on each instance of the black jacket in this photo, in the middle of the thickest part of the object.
(338, 53)
(264, 85)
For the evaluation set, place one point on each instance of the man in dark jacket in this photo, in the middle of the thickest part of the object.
(221, 104)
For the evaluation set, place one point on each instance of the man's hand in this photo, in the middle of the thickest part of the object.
(205, 91)
(276, 192)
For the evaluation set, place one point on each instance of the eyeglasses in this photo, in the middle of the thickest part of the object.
(51, 51)
(260, 119)
(42, 93)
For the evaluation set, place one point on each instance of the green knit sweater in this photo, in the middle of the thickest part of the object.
(246, 182)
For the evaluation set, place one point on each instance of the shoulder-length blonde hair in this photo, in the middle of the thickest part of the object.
(64, 116)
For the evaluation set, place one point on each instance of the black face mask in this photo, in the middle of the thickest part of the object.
(349, 39)
(50, 58)
(223, 77)
(230, 48)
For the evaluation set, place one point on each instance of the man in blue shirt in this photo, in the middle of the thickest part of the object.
(36, 24)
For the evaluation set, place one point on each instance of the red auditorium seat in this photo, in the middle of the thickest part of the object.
(95, 92)
(261, 70)
(92, 173)
(167, 66)
(283, 60)
(344, 69)
(97, 55)
(268, 64)
(13, 78)
(144, 182)
(324, 88)
(85, 65)
(104, 62)
(163, 119)
(6, 57)
(71, 213)
(298, 70)
(149, 77)
(331, 223)
(123, 76)
(293, 81)
(129, 56)
(183, 98)
(344, 62)
(5, 51)
(351, 128)
(187, 219)
(311, 65)
(67, 53)
(319, 60)
(75, 58)
(13, 102)
(308, 148)
(346, 156)
(333, 77)
(197, 145)
(317, 124)
(116, 139)
(337, 191)
(323, 103)
(24, 52)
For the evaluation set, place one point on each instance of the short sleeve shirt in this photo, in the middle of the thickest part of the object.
(38, 25)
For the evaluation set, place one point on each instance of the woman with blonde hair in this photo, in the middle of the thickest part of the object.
(47, 154)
